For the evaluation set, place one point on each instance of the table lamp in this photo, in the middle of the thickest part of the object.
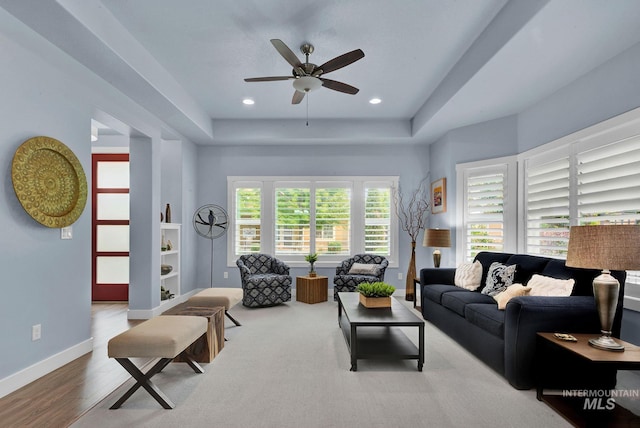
(438, 238)
(606, 247)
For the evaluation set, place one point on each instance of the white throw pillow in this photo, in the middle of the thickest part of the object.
(512, 291)
(363, 269)
(468, 275)
(546, 286)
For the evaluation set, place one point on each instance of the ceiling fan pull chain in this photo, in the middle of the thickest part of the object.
(307, 109)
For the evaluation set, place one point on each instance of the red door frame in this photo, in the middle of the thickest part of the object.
(111, 292)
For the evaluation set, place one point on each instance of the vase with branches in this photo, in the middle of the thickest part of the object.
(412, 210)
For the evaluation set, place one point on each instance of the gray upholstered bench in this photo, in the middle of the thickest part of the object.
(211, 297)
(161, 337)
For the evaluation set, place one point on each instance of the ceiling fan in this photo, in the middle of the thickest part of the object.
(307, 76)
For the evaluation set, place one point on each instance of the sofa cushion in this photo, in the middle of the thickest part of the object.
(487, 317)
(512, 291)
(527, 266)
(583, 277)
(499, 277)
(364, 269)
(458, 300)
(468, 276)
(546, 286)
(434, 292)
(486, 258)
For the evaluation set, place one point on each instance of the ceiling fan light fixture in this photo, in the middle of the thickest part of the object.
(375, 101)
(248, 102)
(307, 84)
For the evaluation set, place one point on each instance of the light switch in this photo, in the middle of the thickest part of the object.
(66, 232)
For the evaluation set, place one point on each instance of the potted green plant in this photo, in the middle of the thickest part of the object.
(311, 258)
(375, 294)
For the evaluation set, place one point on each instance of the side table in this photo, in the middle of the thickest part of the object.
(312, 289)
(584, 407)
(205, 349)
(627, 360)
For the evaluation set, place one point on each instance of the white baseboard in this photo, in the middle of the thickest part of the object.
(25, 376)
(145, 314)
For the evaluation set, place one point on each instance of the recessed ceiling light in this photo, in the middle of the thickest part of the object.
(248, 101)
(375, 101)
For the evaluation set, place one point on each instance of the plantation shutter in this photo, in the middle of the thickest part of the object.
(332, 220)
(547, 207)
(292, 220)
(377, 213)
(484, 211)
(247, 220)
(608, 186)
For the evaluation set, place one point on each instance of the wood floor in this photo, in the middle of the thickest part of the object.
(61, 397)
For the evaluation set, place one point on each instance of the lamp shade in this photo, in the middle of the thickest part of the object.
(611, 247)
(440, 238)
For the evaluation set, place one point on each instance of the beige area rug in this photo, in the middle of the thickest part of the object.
(288, 366)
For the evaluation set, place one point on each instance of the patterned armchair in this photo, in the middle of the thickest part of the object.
(349, 276)
(265, 280)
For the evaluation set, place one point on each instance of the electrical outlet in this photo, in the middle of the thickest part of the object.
(36, 332)
(226, 275)
(400, 275)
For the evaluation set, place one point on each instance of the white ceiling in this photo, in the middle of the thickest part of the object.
(436, 64)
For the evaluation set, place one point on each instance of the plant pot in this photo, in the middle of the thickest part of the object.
(312, 274)
(375, 302)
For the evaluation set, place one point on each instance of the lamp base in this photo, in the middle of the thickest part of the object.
(606, 343)
(436, 258)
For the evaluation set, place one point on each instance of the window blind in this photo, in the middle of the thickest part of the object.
(484, 212)
(247, 220)
(377, 213)
(547, 208)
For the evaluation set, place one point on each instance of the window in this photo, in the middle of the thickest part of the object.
(377, 214)
(293, 205)
(291, 217)
(488, 207)
(547, 205)
(333, 219)
(587, 178)
(247, 219)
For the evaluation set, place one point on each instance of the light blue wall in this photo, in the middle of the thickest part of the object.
(190, 241)
(216, 163)
(492, 139)
(47, 280)
(609, 90)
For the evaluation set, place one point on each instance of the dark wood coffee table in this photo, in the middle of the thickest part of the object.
(374, 333)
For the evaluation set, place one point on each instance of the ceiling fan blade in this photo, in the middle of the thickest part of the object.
(339, 86)
(286, 53)
(268, 79)
(297, 97)
(341, 61)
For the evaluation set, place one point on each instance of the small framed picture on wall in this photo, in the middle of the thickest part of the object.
(439, 196)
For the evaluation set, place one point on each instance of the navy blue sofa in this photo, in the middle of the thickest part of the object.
(506, 339)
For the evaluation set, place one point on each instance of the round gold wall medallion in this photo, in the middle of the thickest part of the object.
(49, 181)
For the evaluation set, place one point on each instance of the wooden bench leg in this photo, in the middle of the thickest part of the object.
(144, 380)
(231, 318)
(192, 362)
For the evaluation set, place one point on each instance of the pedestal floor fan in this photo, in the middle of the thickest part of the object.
(211, 222)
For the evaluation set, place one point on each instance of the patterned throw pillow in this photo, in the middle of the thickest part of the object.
(512, 291)
(468, 275)
(499, 278)
(546, 286)
(364, 269)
